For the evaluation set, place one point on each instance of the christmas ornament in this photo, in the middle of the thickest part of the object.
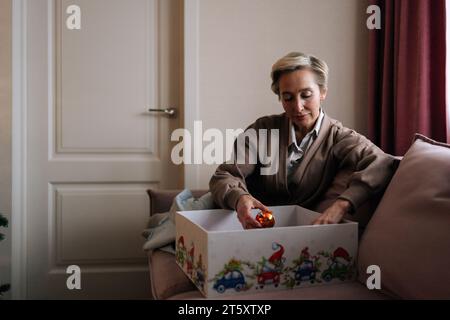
(266, 219)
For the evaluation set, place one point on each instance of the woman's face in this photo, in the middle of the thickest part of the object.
(301, 98)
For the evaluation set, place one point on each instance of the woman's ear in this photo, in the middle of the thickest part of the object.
(323, 94)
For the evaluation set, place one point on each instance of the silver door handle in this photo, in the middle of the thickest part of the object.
(171, 112)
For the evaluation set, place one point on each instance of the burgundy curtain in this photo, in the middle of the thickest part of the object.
(407, 73)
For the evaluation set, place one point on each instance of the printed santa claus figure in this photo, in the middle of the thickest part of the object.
(341, 256)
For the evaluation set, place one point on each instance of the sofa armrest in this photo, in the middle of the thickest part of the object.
(166, 278)
(161, 200)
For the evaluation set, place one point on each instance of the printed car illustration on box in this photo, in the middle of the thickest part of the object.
(268, 276)
(305, 272)
(340, 266)
(336, 270)
(231, 280)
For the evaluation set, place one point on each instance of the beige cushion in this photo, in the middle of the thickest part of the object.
(344, 291)
(166, 277)
(409, 234)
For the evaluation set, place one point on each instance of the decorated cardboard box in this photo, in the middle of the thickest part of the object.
(221, 258)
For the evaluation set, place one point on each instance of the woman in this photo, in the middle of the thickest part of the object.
(313, 147)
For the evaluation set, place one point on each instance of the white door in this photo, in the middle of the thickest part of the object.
(93, 149)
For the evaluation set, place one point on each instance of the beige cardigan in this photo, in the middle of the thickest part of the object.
(336, 147)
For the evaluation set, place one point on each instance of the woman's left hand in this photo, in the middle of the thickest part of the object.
(334, 213)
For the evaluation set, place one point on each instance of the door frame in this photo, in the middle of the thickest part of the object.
(19, 271)
(19, 156)
(191, 82)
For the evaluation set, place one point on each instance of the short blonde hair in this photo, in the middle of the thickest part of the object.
(296, 61)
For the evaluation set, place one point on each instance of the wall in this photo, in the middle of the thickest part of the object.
(5, 137)
(241, 39)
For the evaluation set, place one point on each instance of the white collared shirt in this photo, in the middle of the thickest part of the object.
(296, 151)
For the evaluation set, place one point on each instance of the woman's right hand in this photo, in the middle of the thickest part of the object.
(245, 204)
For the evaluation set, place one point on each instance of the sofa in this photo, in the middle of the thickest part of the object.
(404, 230)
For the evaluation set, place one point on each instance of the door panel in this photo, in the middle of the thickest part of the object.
(106, 70)
(92, 148)
(93, 208)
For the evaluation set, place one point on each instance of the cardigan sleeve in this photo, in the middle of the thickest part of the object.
(228, 184)
(373, 168)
